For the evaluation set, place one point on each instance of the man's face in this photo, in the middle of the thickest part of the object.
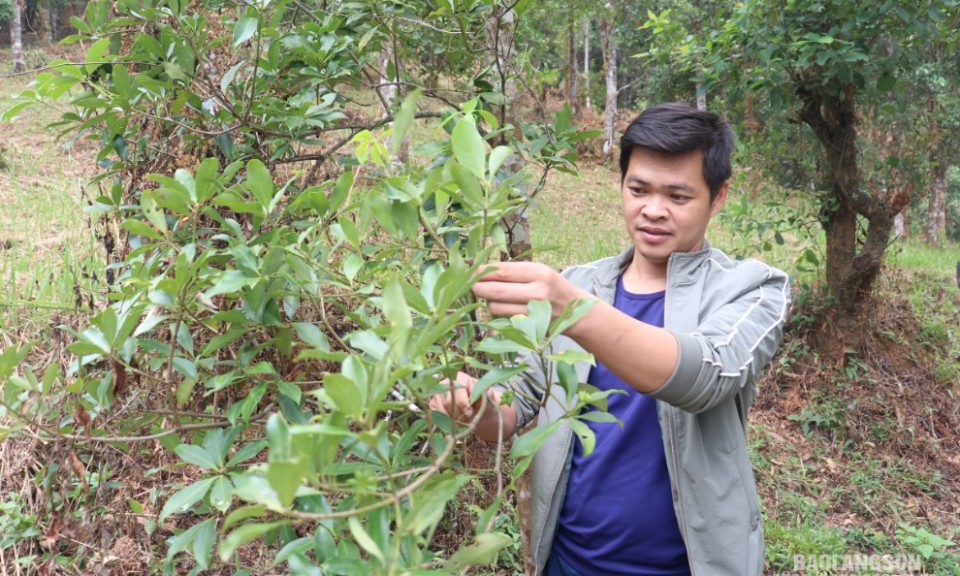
(666, 203)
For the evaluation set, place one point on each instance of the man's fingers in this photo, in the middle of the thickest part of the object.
(506, 309)
(456, 402)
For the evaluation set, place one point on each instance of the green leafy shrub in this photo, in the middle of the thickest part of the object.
(279, 334)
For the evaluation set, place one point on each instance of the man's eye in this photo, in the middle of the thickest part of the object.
(637, 191)
(680, 199)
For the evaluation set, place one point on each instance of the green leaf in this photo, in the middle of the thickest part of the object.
(230, 281)
(260, 182)
(569, 381)
(221, 494)
(469, 186)
(562, 121)
(498, 346)
(11, 357)
(94, 337)
(483, 551)
(182, 500)
(96, 54)
(285, 477)
(247, 452)
(245, 29)
(241, 514)
(231, 74)
(312, 335)
(363, 539)
(498, 156)
(278, 436)
(495, 376)
(141, 228)
(403, 120)
(203, 541)
(345, 393)
(395, 307)
(50, 375)
(527, 444)
(290, 390)
(571, 313)
(197, 456)
(149, 323)
(587, 438)
(433, 499)
(245, 534)
(600, 417)
(468, 146)
(196, 538)
(185, 366)
(572, 357)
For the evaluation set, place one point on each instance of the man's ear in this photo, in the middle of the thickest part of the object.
(719, 199)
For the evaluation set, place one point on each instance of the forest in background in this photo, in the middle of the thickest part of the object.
(289, 199)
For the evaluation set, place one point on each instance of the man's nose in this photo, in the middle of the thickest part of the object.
(654, 208)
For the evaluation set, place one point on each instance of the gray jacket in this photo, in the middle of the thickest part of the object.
(727, 317)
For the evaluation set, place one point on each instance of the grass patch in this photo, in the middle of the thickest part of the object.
(49, 258)
(577, 219)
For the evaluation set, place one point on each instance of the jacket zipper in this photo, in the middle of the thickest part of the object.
(543, 525)
(676, 468)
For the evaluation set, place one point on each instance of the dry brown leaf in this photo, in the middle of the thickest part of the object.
(78, 468)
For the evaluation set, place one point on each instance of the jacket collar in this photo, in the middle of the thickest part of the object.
(679, 265)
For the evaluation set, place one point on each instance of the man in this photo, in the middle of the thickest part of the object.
(684, 330)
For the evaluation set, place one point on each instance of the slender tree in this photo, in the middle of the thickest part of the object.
(16, 37)
(608, 43)
(586, 60)
(573, 72)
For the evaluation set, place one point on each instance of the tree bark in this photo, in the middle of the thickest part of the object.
(701, 97)
(586, 60)
(500, 29)
(937, 202)
(573, 73)
(608, 42)
(899, 226)
(853, 263)
(389, 91)
(45, 23)
(500, 36)
(52, 22)
(16, 39)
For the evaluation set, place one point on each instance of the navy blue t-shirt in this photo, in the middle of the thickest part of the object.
(618, 516)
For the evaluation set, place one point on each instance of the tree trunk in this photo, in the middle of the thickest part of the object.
(573, 73)
(608, 42)
(500, 29)
(16, 39)
(45, 24)
(701, 97)
(52, 22)
(852, 270)
(899, 226)
(937, 202)
(389, 90)
(586, 60)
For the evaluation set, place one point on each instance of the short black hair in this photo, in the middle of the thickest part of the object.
(677, 129)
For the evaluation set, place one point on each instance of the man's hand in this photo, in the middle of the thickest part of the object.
(457, 406)
(642, 355)
(509, 286)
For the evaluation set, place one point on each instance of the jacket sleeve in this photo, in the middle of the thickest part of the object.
(732, 344)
